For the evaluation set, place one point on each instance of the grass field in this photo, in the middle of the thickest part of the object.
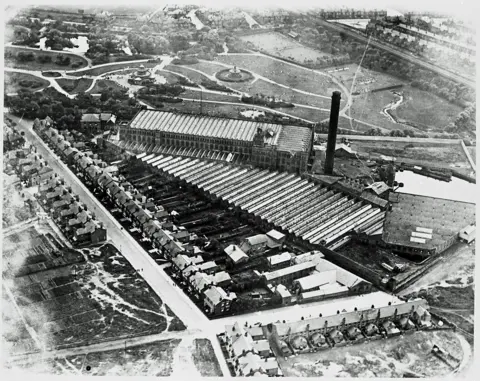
(74, 86)
(184, 70)
(103, 84)
(205, 360)
(283, 73)
(368, 107)
(426, 111)
(12, 82)
(35, 65)
(95, 71)
(209, 67)
(285, 47)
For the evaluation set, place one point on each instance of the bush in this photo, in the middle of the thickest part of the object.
(185, 60)
(212, 85)
(44, 58)
(62, 60)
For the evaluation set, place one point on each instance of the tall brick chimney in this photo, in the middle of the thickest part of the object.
(332, 133)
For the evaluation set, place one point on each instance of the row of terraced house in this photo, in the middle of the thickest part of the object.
(150, 219)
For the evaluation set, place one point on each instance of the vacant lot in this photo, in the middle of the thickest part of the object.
(416, 153)
(35, 65)
(381, 358)
(285, 47)
(283, 73)
(204, 358)
(94, 71)
(74, 86)
(22, 81)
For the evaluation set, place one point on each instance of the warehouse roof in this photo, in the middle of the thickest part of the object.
(317, 279)
(411, 212)
(279, 258)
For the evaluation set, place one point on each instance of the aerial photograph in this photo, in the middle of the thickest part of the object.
(239, 189)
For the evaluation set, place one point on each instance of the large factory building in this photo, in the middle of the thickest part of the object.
(265, 145)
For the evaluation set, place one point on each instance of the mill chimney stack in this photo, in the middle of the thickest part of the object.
(332, 133)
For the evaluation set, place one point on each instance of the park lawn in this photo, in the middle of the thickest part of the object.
(74, 86)
(261, 86)
(212, 109)
(368, 108)
(103, 84)
(169, 77)
(185, 71)
(98, 70)
(205, 360)
(35, 65)
(314, 116)
(425, 110)
(12, 82)
(208, 67)
(193, 94)
(283, 73)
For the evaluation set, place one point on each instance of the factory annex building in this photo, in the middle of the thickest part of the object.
(265, 145)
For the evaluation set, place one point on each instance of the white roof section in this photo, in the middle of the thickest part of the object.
(275, 235)
(282, 291)
(317, 280)
(279, 258)
(235, 253)
(424, 230)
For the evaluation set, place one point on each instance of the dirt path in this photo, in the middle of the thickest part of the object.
(183, 365)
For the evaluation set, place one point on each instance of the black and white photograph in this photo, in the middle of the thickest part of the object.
(239, 189)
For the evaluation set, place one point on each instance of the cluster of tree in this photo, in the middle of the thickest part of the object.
(22, 56)
(262, 100)
(465, 120)
(184, 59)
(212, 85)
(67, 112)
(236, 45)
(151, 44)
(162, 89)
(102, 46)
(57, 40)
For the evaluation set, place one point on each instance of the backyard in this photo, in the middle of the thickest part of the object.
(15, 210)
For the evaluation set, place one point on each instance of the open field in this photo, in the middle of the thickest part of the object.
(35, 65)
(103, 84)
(95, 71)
(72, 297)
(74, 86)
(447, 156)
(204, 358)
(385, 358)
(154, 360)
(285, 47)
(14, 208)
(17, 81)
(208, 67)
(425, 111)
(283, 73)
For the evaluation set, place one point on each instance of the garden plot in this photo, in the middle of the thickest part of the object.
(388, 358)
(285, 47)
(84, 297)
(283, 73)
(15, 209)
(204, 358)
